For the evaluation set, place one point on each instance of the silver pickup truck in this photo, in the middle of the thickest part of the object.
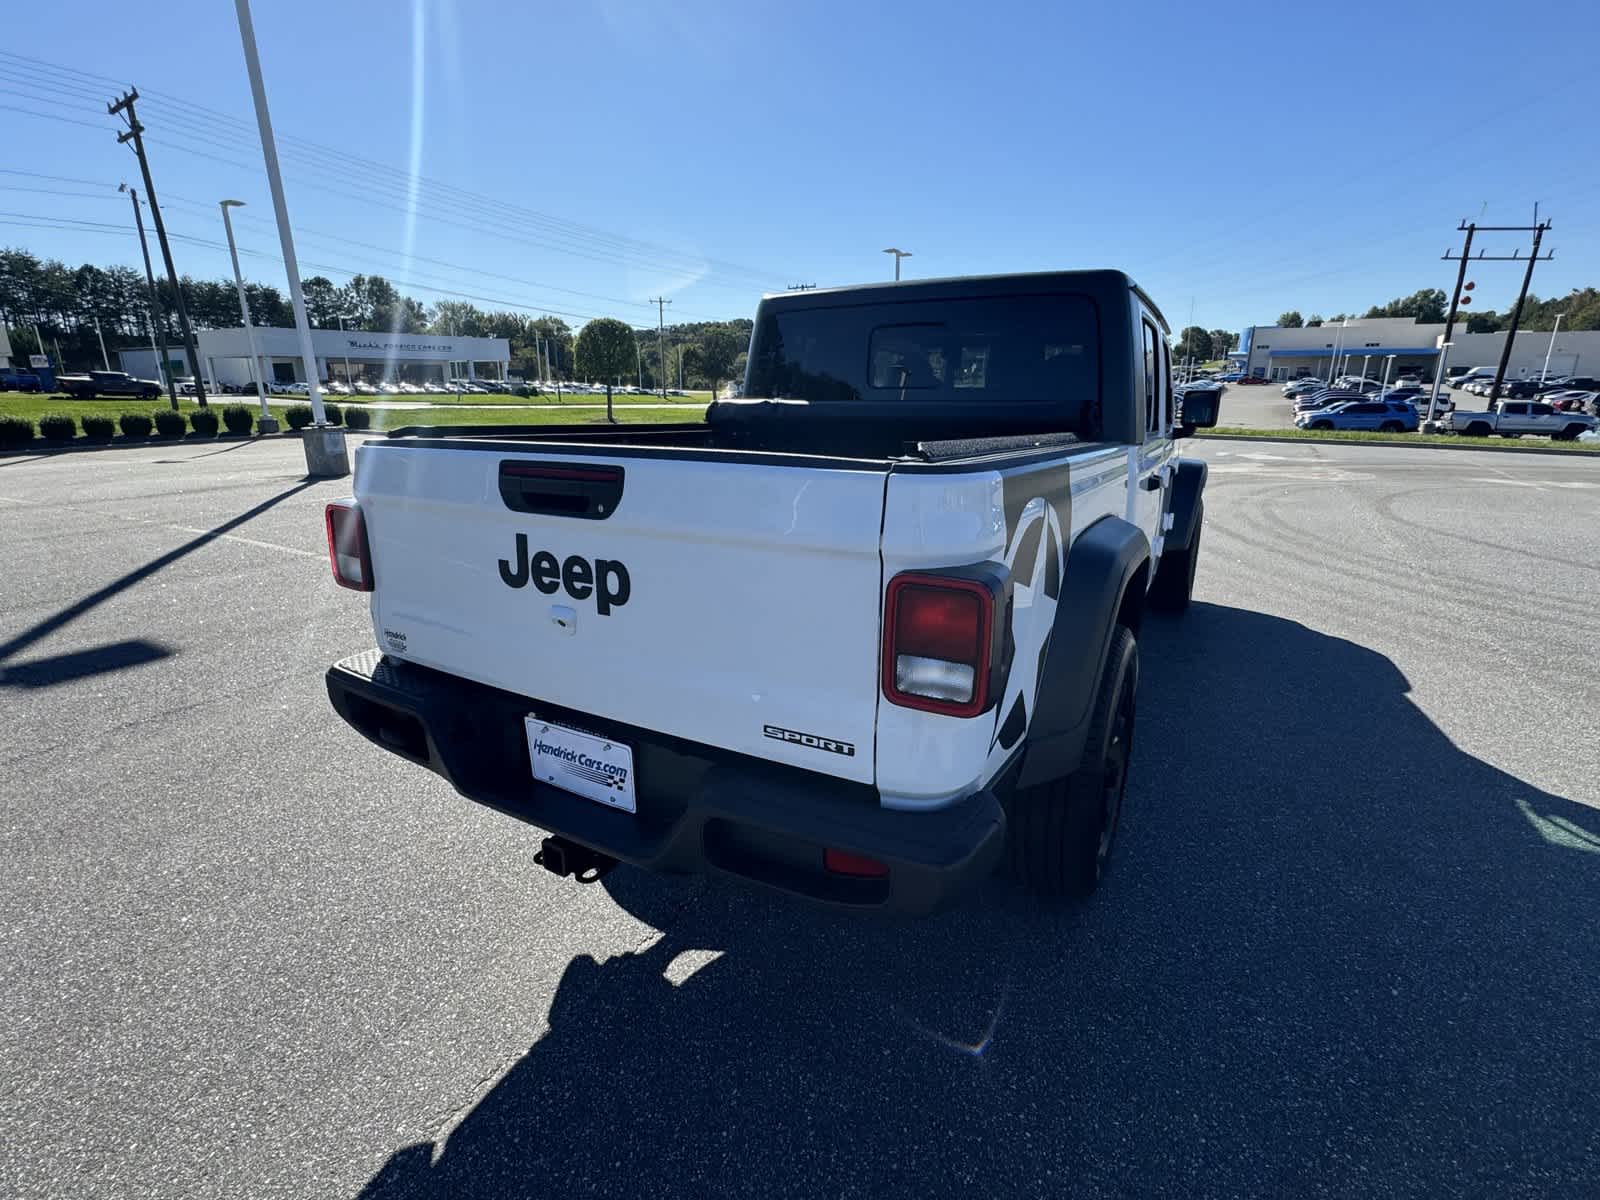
(1513, 418)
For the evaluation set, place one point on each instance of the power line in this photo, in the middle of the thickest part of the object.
(327, 159)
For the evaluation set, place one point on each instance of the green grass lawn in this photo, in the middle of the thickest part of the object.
(32, 407)
(692, 400)
(1433, 439)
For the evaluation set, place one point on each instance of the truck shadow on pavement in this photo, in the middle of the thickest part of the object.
(1336, 953)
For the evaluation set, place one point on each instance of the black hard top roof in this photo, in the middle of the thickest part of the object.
(1106, 285)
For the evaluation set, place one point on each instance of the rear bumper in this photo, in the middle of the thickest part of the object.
(700, 809)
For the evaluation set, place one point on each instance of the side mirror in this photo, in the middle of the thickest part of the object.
(1198, 408)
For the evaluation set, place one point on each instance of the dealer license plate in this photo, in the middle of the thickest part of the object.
(581, 763)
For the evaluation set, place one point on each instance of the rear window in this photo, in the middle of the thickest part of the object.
(992, 349)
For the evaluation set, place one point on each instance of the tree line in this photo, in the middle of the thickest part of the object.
(64, 304)
(1580, 308)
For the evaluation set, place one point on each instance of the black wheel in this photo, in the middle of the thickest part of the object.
(1391, 427)
(1322, 425)
(1477, 429)
(1061, 832)
(1174, 581)
(1570, 433)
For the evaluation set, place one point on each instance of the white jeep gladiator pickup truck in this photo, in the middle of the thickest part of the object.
(1513, 418)
(856, 636)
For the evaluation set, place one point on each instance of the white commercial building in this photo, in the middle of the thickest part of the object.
(341, 354)
(1362, 347)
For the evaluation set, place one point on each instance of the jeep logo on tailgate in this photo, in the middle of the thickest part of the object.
(605, 580)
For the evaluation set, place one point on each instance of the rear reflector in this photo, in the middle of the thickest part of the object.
(937, 639)
(348, 552)
(842, 862)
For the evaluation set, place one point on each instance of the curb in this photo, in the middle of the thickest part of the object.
(1465, 445)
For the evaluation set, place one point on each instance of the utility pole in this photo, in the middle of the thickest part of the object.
(157, 317)
(898, 255)
(1450, 321)
(661, 340)
(105, 359)
(1516, 314)
(134, 134)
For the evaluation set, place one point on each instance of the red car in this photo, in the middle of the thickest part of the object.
(1252, 379)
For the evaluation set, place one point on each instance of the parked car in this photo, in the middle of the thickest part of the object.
(1571, 400)
(1303, 387)
(1232, 377)
(13, 380)
(107, 383)
(1324, 399)
(1516, 417)
(1585, 383)
(1254, 379)
(1397, 416)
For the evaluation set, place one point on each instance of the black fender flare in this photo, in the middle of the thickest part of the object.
(1106, 562)
(1188, 485)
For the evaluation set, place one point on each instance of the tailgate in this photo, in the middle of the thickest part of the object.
(727, 602)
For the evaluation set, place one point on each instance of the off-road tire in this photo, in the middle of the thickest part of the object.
(1060, 833)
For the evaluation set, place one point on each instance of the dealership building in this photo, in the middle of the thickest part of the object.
(1362, 346)
(340, 354)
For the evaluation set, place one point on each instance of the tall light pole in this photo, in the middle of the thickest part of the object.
(1388, 361)
(1438, 378)
(264, 422)
(898, 255)
(347, 382)
(1545, 370)
(325, 449)
(105, 360)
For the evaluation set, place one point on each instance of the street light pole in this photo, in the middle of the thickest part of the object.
(1545, 370)
(347, 382)
(1438, 378)
(325, 449)
(898, 255)
(265, 422)
(1388, 362)
(105, 359)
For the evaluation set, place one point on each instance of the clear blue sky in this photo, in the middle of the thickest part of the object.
(1247, 158)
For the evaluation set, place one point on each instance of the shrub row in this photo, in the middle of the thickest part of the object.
(299, 416)
(238, 418)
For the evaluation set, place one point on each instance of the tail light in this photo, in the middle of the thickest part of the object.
(347, 546)
(940, 641)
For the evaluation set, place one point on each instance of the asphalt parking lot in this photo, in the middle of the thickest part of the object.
(1348, 945)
